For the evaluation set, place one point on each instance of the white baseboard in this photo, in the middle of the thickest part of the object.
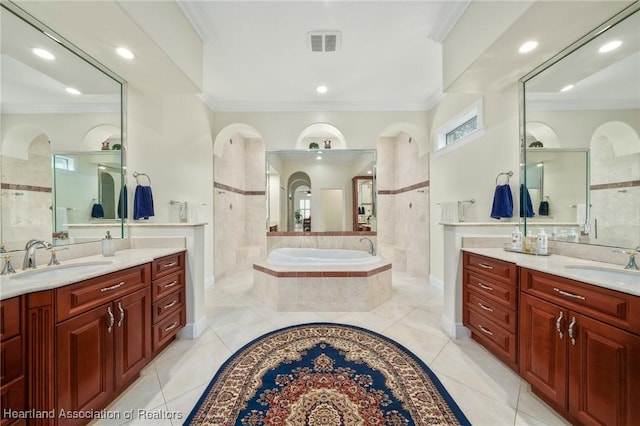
(436, 282)
(193, 330)
(455, 330)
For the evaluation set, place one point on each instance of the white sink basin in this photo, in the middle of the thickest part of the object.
(622, 276)
(62, 271)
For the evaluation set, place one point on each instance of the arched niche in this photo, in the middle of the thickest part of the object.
(416, 134)
(319, 133)
(621, 137)
(226, 134)
(17, 141)
(541, 132)
(94, 138)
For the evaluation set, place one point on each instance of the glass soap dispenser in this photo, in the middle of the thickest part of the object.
(108, 246)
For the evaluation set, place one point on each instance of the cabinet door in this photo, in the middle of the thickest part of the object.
(132, 335)
(604, 373)
(84, 361)
(543, 349)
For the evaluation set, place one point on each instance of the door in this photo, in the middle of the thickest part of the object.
(132, 335)
(604, 373)
(84, 362)
(543, 349)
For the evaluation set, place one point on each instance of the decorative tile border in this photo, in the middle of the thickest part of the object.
(321, 234)
(424, 184)
(321, 274)
(219, 185)
(31, 188)
(627, 184)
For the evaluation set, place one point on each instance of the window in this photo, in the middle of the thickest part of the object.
(305, 208)
(468, 125)
(64, 163)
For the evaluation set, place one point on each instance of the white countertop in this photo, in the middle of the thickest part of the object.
(11, 286)
(555, 264)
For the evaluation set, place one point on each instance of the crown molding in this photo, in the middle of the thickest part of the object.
(60, 109)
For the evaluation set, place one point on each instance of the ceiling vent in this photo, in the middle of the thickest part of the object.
(324, 41)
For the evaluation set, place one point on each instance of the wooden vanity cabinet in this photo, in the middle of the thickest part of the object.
(103, 339)
(168, 294)
(12, 366)
(580, 348)
(490, 303)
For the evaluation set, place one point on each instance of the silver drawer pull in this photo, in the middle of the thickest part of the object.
(486, 287)
(484, 330)
(171, 284)
(571, 325)
(169, 265)
(559, 325)
(112, 320)
(172, 326)
(486, 308)
(121, 314)
(567, 294)
(170, 305)
(485, 266)
(113, 287)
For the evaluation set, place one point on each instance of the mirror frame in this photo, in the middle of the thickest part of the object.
(522, 116)
(28, 19)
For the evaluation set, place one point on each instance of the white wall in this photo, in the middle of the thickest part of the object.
(469, 172)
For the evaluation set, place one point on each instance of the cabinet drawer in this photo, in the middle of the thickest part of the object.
(12, 397)
(83, 296)
(163, 286)
(499, 341)
(168, 304)
(11, 365)
(9, 318)
(500, 270)
(504, 294)
(615, 308)
(167, 328)
(505, 318)
(167, 265)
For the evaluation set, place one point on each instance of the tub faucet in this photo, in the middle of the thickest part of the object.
(632, 257)
(372, 250)
(30, 253)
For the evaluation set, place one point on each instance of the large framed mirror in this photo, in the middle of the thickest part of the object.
(580, 114)
(331, 190)
(61, 136)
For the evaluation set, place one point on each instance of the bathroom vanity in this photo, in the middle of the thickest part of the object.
(70, 348)
(577, 343)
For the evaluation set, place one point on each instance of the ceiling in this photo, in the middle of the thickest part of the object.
(257, 57)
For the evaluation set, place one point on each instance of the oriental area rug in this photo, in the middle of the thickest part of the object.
(325, 374)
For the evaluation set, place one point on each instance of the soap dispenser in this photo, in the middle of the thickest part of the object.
(108, 246)
(542, 246)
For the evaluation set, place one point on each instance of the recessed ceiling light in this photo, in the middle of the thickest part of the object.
(567, 88)
(612, 45)
(321, 89)
(44, 54)
(528, 46)
(125, 53)
(73, 91)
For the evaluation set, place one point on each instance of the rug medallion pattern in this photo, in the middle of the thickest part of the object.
(325, 375)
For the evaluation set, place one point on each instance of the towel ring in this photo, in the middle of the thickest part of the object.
(136, 174)
(507, 174)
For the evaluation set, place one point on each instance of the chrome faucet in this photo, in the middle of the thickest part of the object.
(372, 250)
(632, 257)
(30, 253)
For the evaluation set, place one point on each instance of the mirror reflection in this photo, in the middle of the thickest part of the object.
(321, 190)
(61, 118)
(589, 101)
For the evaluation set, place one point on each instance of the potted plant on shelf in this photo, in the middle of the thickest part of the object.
(314, 145)
(298, 217)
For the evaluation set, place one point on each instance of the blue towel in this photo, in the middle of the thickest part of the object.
(97, 211)
(502, 202)
(526, 207)
(122, 203)
(142, 203)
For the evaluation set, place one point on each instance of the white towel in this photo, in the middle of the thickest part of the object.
(581, 214)
(449, 212)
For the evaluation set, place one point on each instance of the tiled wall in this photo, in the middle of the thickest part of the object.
(239, 205)
(403, 200)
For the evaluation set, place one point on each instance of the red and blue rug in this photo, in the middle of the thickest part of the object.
(325, 374)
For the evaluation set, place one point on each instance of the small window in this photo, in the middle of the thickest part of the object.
(64, 163)
(466, 126)
(305, 208)
(463, 130)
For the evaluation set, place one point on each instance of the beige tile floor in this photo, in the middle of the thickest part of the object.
(488, 392)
